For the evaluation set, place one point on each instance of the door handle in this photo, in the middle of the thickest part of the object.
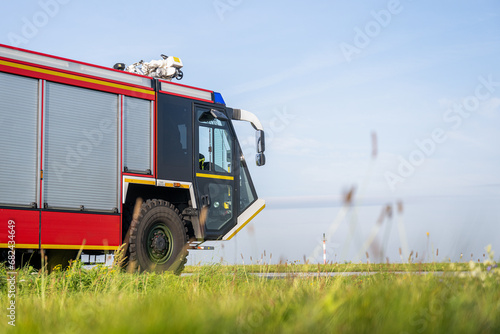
(205, 200)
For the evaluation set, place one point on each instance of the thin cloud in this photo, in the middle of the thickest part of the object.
(304, 68)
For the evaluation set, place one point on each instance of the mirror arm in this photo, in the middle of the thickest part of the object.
(244, 115)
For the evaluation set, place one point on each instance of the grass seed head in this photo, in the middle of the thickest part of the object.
(400, 207)
(349, 196)
(388, 211)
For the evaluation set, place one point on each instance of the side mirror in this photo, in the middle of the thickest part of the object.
(209, 116)
(261, 141)
(260, 159)
(218, 114)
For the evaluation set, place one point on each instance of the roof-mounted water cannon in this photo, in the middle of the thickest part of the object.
(243, 115)
(166, 68)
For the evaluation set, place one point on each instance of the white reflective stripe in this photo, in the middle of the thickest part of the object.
(157, 182)
(186, 91)
(74, 67)
(124, 191)
(169, 183)
(246, 217)
(193, 198)
(134, 179)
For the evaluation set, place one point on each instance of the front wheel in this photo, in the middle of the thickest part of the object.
(158, 240)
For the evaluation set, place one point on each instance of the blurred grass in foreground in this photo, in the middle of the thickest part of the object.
(228, 299)
(343, 267)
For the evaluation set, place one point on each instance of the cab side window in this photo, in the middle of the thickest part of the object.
(215, 145)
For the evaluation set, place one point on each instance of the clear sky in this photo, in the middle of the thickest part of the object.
(323, 77)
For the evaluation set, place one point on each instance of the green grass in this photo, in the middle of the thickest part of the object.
(228, 299)
(345, 267)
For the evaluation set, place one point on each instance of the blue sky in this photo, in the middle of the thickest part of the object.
(323, 76)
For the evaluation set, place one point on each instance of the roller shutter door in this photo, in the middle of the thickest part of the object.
(18, 140)
(81, 149)
(137, 135)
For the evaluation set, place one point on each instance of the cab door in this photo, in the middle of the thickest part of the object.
(215, 171)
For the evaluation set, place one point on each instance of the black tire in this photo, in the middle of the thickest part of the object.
(128, 211)
(158, 240)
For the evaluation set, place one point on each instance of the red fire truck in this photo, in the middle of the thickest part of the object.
(81, 144)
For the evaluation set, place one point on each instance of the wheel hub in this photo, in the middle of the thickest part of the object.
(159, 243)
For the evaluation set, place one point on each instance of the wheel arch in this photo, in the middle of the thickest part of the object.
(181, 197)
